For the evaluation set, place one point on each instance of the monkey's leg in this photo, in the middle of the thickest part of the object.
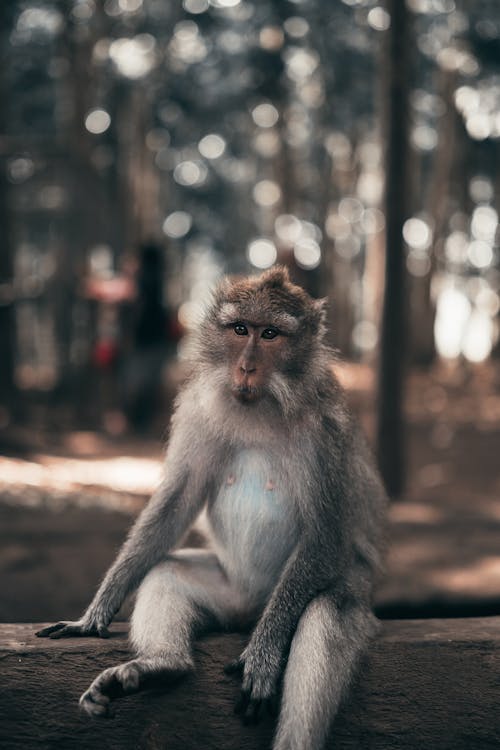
(178, 598)
(323, 657)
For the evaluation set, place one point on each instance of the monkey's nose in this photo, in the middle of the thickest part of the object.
(246, 369)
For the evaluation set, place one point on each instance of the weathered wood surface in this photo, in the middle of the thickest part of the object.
(426, 685)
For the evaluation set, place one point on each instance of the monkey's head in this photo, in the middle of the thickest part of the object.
(262, 332)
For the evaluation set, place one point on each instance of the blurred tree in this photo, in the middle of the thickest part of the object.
(393, 344)
(7, 392)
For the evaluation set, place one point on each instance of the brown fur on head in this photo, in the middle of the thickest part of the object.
(270, 295)
(265, 331)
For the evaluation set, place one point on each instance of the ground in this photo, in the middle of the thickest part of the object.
(67, 501)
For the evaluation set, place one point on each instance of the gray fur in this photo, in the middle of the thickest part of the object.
(294, 508)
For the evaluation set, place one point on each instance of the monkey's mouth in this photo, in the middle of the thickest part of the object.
(246, 394)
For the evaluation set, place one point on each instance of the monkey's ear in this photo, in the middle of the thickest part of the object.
(318, 317)
(222, 289)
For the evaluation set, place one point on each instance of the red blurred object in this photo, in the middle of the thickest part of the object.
(105, 354)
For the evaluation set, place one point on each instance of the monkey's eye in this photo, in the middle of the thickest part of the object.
(269, 333)
(240, 329)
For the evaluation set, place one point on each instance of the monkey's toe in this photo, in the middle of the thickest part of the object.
(94, 703)
(128, 676)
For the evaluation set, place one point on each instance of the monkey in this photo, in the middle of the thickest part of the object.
(263, 442)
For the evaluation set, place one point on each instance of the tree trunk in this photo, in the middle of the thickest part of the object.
(390, 443)
(7, 341)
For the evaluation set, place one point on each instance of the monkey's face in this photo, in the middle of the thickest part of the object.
(259, 338)
(256, 353)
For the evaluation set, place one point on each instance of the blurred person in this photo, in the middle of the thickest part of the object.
(151, 337)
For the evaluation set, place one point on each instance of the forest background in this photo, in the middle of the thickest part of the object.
(148, 147)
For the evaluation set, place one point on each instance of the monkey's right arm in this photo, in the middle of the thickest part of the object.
(169, 513)
(156, 531)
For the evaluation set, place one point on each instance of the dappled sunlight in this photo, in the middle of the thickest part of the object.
(441, 562)
(123, 473)
(415, 513)
(355, 377)
(89, 480)
(458, 395)
(433, 475)
(481, 576)
(407, 553)
(489, 508)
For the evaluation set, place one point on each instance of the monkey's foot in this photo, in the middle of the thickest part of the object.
(114, 682)
(126, 679)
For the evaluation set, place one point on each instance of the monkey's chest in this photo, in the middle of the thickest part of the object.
(253, 519)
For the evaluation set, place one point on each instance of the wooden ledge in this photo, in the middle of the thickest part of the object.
(426, 685)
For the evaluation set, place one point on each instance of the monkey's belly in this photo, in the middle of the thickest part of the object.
(253, 522)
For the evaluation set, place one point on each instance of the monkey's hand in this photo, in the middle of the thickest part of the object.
(79, 628)
(261, 670)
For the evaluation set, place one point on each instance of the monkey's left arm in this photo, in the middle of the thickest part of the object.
(262, 661)
(319, 563)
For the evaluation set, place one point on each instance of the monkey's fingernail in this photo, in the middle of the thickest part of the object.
(272, 706)
(233, 667)
(252, 713)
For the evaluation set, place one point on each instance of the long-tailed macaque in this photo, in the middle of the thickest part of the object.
(261, 438)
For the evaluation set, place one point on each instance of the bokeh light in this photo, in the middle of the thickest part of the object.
(484, 223)
(452, 314)
(97, 121)
(296, 27)
(365, 335)
(307, 253)
(417, 233)
(177, 224)
(262, 253)
(288, 228)
(271, 38)
(378, 18)
(195, 6)
(190, 173)
(212, 146)
(266, 193)
(265, 115)
(134, 58)
(480, 254)
(187, 45)
(20, 168)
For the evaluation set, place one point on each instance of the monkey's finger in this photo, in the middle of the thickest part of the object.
(242, 702)
(252, 713)
(67, 631)
(103, 632)
(44, 632)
